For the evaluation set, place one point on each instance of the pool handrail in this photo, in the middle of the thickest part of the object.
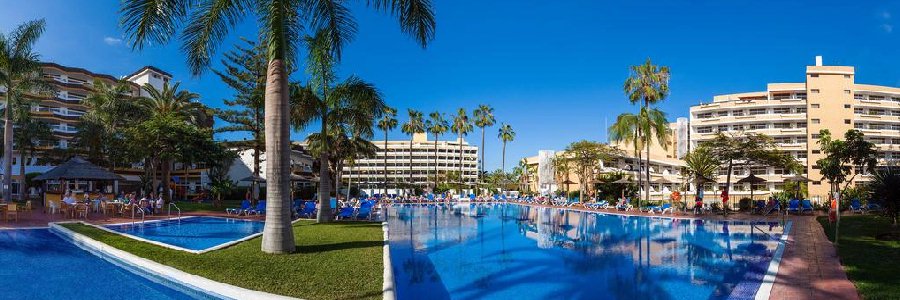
(169, 208)
(132, 213)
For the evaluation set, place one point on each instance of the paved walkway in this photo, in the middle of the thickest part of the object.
(810, 267)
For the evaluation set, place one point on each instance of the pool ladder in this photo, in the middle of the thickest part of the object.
(172, 204)
(134, 208)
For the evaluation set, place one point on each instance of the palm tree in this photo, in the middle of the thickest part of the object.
(30, 134)
(701, 165)
(437, 125)
(349, 106)
(281, 22)
(506, 134)
(462, 126)
(647, 85)
(415, 125)
(180, 104)
(484, 117)
(625, 130)
(110, 107)
(387, 123)
(20, 73)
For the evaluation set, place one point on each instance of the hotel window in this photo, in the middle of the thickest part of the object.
(858, 111)
(876, 126)
(876, 112)
(737, 113)
(723, 128)
(782, 140)
(758, 126)
(814, 121)
(801, 96)
(801, 110)
(859, 126)
(704, 115)
(896, 99)
(801, 140)
(895, 113)
(758, 171)
(878, 140)
(813, 75)
(757, 111)
(815, 136)
(723, 113)
(814, 91)
(801, 124)
(846, 76)
(846, 121)
(895, 127)
(873, 97)
(896, 141)
(800, 155)
(781, 110)
(706, 129)
(814, 105)
(737, 127)
(859, 97)
(782, 125)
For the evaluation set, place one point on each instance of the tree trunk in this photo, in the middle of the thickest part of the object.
(728, 185)
(166, 178)
(459, 135)
(278, 235)
(435, 162)
(337, 179)
(411, 163)
(349, 181)
(385, 161)
(22, 186)
(481, 163)
(324, 214)
(503, 159)
(7, 145)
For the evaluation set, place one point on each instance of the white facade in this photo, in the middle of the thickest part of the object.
(368, 173)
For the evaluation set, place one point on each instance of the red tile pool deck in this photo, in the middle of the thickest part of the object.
(809, 269)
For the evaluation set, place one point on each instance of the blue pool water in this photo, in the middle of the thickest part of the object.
(194, 233)
(37, 264)
(509, 251)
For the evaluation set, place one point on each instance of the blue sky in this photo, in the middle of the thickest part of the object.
(551, 69)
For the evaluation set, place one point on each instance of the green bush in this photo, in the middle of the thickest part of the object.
(745, 204)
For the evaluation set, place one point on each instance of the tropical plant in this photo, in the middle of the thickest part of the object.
(610, 190)
(30, 134)
(484, 117)
(884, 189)
(219, 182)
(414, 125)
(701, 165)
(387, 123)
(20, 74)
(170, 104)
(586, 157)
(437, 125)
(244, 71)
(344, 108)
(462, 126)
(281, 22)
(646, 85)
(506, 134)
(841, 156)
(748, 149)
(110, 109)
(562, 167)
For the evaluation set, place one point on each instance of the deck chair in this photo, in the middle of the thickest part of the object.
(794, 206)
(345, 213)
(12, 211)
(855, 206)
(806, 206)
(245, 206)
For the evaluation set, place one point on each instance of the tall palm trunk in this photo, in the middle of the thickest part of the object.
(435, 162)
(481, 163)
(7, 145)
(337, 179)
(640, 164)
(167, 177)
(411, 163)
(385, 162)
(278, 235)
(256, 161)
(503, 159)
(22, 186)
(349, 181)
(459, 135)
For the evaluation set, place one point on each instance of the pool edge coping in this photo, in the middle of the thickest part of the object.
(173, 247)
(197, 282)
(768, 281)
(388, 291)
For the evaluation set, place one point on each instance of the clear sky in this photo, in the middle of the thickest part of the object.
(551, 69)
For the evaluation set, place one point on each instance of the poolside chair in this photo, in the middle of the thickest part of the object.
(245, 205)
(623, 205)
(856, 207)
(806, 206)
(666, 207)
(259, 210)
(794, 206)
(365, 212)
(773, 208)
(309, 209)
(760, 207)
(11, 211)
(873, 206)
(346, 212)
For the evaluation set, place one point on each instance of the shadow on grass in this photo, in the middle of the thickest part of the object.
(338, 246)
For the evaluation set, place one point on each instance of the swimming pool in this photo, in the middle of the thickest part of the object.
(508, 251)
(192, 234)
(37, 264)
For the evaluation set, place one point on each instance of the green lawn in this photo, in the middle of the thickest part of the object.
(190, 206)
(332, 261)
(870, 263)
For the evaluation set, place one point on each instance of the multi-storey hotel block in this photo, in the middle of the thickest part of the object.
(793, 115)
(368, 172)
(63, 111)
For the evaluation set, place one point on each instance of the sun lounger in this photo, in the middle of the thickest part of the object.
(365, 212)
(245, 205)
(345, 213)
(666, 207)
(873, 207)
(773, 208)
(794, 206)
(855, 206)
(760, 207)
(806, 206)
(259, 210)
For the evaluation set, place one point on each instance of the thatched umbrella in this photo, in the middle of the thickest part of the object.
(78, 168)
(751, 179)
(798, 179)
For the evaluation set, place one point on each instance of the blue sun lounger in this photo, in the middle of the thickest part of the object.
(345, 213)
(245, 205)
(806, 206)
(794, 206)
(259, 210)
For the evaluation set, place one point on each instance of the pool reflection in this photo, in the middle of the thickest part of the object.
(512, 251)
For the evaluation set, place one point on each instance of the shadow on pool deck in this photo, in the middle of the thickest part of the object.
(338, 246)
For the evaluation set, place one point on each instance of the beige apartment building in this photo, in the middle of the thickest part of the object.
(794, 113)
(63, 111)
(368, 172)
